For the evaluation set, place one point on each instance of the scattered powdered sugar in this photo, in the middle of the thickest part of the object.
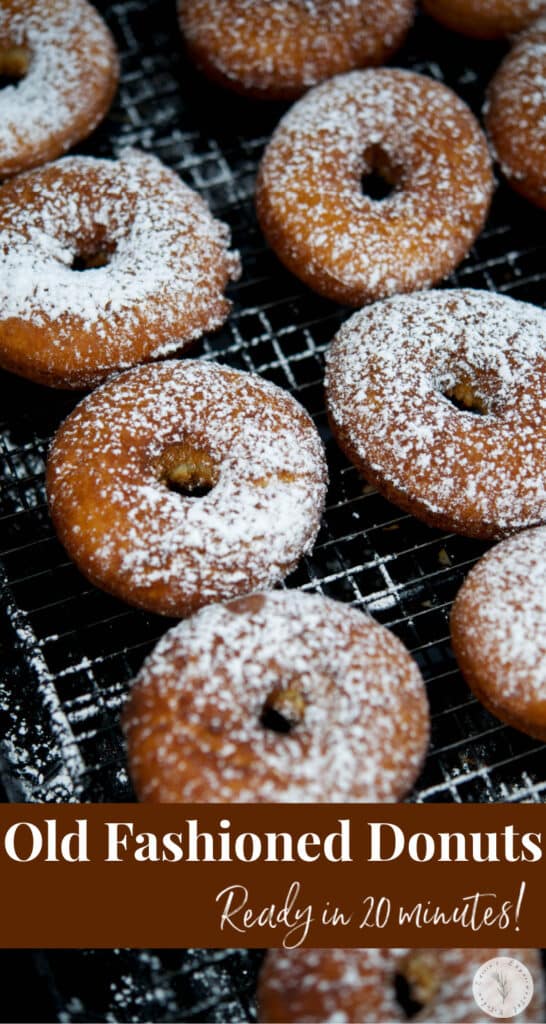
(281, 47)
(515, 112)
(501, 617)
(163, 285)
(389, 371)
(160, 549)
(352, 692)
(413, 131)
(69, 83)
(341, 986)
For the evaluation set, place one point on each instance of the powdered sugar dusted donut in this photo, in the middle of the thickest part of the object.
(485, 19)
(178, 484)
(498, 627)
(276, 49)
(65, 59)
(343, 986)
(285, 697)
(516, 114)
(418, 136)
(157, 264)
(394, 373)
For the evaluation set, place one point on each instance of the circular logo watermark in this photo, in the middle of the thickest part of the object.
(502, 987)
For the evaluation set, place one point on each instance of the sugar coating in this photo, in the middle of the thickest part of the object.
(194, 715)
(72, 59)
(485, 19)
(515, 113)
(158, 548)
(162, 287)
(420, 136)
(389, 371)
(351, 986)
(281, 47)
(501, 613)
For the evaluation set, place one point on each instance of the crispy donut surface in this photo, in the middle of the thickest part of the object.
(485, 19)
(515, 114)
(181, 483)
(438, 399)
(104, 264)
(64, 62)
(416, 135)
(344, 986)
(285, 696)
(498, 629)
(276, 49)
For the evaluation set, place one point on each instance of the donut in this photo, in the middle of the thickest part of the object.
(276, 49)
(104, 264)
(438, 399)
(498, 631)
(283, 697)
(419, 139)
(64, 65)
(484, 19)
(372, 986)
(515, 114)
(182, 483)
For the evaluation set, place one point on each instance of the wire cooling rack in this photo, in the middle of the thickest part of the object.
(71, 650)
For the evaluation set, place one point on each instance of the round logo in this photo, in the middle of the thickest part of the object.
(502, 987)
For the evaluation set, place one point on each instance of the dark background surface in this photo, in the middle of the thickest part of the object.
(71, 648)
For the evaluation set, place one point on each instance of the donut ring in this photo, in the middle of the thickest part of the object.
(333, 985)
(178, 484)
(66, 60)
(287, 697)
(420, 138)
(395, 372)
(276, 49)
(515, 114)
(498, 629)
(484, 19)
(163, 286)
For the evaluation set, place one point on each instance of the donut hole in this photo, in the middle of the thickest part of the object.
(380, 176)
(464, 398)
(416, 984)
(14, 64)
(91, 261)
(188, 471)
(283, 709)
(404, 997)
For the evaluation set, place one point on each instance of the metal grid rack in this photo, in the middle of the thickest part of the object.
(71, 650)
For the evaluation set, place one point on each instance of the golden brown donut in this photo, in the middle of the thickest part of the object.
(484, 19)
(498, 630)
(359, 986)
(276, 49)
(418, 136)
(287, 697)
(66, 61)
(181, 483)
(515, 114)
(157, 266)
(438, 399)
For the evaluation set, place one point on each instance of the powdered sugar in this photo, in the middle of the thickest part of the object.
(389, 371)
(278, 48)
(162, 287)
(516, 113)
(341, 986)
(354, 693)
(160, 549)
(69, 84)
(416, 133)
(501, 622)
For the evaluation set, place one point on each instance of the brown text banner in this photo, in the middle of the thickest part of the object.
(214, 875)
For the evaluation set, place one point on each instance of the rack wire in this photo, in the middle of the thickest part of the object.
(72, 650)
